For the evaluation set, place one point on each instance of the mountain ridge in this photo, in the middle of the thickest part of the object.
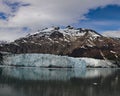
(70, 41)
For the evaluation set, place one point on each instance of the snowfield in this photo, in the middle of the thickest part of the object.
(48, 60)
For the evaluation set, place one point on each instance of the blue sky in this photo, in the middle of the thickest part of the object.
(102, 19)
(20, 17)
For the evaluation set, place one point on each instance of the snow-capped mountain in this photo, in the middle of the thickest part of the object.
(3, 42)
(70, 41)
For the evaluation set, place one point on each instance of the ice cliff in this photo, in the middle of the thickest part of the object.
(47, 60)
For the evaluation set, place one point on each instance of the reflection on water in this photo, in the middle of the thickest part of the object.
(59, 82)
(41, 73)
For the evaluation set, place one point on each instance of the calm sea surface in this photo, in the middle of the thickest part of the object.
(18, 81)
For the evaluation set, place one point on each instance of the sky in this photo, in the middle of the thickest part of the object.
(20, 17)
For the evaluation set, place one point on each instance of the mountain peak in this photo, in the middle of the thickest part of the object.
(68, 31)
(75, 42)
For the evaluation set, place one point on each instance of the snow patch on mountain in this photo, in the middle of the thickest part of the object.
(68, 31)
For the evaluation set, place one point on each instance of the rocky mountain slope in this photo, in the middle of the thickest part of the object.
(74, 42)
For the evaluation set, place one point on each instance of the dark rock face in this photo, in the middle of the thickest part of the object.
(56, 34)
(72, 42)
(1, 58)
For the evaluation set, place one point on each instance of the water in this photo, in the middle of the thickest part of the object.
(18, 81)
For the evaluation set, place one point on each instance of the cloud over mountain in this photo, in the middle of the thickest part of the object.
(112, 34)
(42, 13)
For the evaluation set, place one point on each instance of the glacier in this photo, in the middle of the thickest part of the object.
(49, 60)
(42, 60)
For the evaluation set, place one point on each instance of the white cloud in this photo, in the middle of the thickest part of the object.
(43, 13)
(112, 33)
(56, 12)
(3, 7)
(10, 34)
